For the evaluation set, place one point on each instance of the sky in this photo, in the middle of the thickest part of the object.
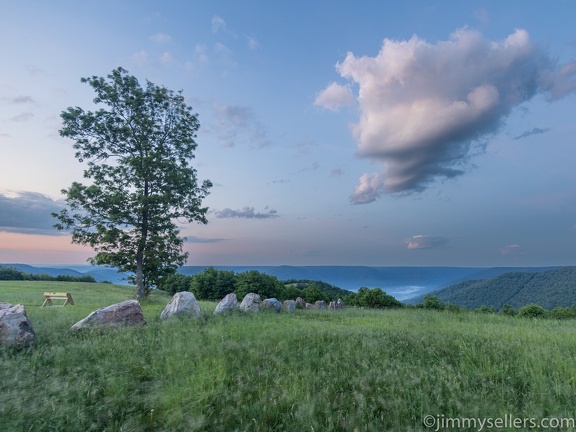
(375, 133)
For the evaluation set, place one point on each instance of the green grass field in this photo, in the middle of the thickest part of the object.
(351, 370)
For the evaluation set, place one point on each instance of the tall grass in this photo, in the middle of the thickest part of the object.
(348, 370)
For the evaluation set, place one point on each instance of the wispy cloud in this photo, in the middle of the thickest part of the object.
(245, 213)
(426, 108)
(194, 239)
(236, 124)
(421, 241)
(23, 117)
(252, 42)
(511, 250)
(218, 24)
(337, 171)
(160, 38)
(534, 131)
(17, 100)
(28, 213)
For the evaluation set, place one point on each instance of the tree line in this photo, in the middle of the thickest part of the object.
(531, 310)
(11, 274)
(213, 284)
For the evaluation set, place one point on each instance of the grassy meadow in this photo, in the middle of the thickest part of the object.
(351, 370)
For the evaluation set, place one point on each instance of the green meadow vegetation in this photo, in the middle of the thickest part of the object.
(313, 370)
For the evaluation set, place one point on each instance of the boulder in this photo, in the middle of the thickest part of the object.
(289, 305)
(227, 304)
(15, 327)
(320, 304)
(273, 304)
(250, 303)
(309, 306)
(182, 304)
(339, 304)
(300, 303)
(127, 313)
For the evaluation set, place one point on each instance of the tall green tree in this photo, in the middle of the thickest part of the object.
(138, 149)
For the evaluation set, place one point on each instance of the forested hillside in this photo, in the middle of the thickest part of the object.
(548, 289)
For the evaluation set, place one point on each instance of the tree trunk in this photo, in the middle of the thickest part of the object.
(141, 291)
(140, 288)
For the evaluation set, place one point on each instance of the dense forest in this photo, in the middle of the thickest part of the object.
(548, 289)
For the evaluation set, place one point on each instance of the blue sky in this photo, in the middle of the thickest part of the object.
(336, 133)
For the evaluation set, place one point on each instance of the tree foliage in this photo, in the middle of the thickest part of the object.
(548, 289)
(212, 284)
(253, 281)
(432, 302)
(138, 151)
(373, 298)
(532, 311)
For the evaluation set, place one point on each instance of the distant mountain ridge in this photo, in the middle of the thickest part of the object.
(547, 288)
(408, 284)
(400, 282)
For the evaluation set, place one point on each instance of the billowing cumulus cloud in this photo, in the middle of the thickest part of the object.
(246, 213)
(426, 108)
(28, 213)
(335, 96)
(421, 241)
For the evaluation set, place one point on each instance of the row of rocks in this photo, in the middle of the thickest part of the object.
(252, 303)
(16, 328)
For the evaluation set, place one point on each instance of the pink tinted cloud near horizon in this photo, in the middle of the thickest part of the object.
(425, 108)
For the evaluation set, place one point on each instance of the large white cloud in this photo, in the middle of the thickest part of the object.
(425, 108)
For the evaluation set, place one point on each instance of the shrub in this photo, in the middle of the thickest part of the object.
(563, 313)
(533, 311)
(507, 310)
(433, 302)
(175, 283)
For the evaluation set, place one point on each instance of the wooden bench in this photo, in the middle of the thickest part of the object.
(49, 296)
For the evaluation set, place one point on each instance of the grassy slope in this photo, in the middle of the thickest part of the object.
(309, 370)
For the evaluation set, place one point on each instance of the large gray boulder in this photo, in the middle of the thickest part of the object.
(272, 304)
(320, 304)
(250, 303)
(289, 305)
(183, 304)
(127, 313)
(227, 304)
(300, 303)
(340, 304)
(15, 327)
